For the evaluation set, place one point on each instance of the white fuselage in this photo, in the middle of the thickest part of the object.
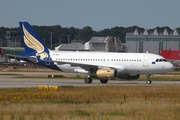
(130, 63)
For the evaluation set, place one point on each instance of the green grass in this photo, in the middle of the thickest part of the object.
(87, 103)
(81, 113)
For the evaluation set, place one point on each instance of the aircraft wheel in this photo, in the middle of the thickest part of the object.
(103, 81)
(148, 81)
(88, 80)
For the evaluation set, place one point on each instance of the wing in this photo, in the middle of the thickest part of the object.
(88, 66)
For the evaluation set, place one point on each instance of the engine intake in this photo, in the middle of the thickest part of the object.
(104, 74)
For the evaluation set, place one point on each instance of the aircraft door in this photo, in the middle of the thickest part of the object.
(146, 61)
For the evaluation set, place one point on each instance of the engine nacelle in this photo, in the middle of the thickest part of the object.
(128, 76)
(104, 74)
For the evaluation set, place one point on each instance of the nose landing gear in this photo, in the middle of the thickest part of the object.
(148, 81)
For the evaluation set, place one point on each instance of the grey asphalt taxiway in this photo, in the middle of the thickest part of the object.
(10, 80)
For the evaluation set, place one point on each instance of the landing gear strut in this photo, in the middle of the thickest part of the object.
(88, 80)
(148, 79)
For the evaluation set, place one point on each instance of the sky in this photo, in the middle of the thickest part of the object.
(98, 14)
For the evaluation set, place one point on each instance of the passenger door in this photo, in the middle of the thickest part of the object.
(146, 61)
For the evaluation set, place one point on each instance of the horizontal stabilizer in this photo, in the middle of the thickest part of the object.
(19, 57)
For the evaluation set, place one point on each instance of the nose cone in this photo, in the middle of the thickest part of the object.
(170, 67)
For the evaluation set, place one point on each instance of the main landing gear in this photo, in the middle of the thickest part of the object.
(103, 81)
(89, 80)
(148, 79)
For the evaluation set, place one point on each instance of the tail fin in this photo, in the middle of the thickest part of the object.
(32, 42)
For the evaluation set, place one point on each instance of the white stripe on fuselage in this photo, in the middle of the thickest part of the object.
(134, 63)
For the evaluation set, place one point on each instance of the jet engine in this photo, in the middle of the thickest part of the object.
(104, 74)
(128, 76)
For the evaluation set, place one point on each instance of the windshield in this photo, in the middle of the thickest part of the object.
(161, 60)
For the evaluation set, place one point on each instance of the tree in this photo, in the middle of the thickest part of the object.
(85, 34)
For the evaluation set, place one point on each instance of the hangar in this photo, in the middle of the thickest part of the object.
(153, 42)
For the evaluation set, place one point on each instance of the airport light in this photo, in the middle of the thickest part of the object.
(68, 38)
(15, 43)
(1, 42)
(51, 39)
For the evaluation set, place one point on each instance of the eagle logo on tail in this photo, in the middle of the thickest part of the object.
(34, 44)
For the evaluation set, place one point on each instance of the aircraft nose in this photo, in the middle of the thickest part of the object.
(170, 67)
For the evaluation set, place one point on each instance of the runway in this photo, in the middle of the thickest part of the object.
(11, 81)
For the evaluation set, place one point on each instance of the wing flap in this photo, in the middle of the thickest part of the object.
(22, 57)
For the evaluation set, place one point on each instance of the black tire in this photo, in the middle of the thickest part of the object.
(88, 80)
(103, 81)
(148, 81)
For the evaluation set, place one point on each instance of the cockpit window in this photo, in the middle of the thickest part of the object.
(161, 60)
(165, 60)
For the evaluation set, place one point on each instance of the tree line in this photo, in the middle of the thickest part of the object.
(64, 35)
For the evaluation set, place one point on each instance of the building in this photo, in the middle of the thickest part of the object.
(13, 39)
(75, 45)
(100, 44)
(152, 42)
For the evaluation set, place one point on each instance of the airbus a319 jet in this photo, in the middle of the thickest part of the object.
(101, 65)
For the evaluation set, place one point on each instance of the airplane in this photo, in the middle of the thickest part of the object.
(101, 65)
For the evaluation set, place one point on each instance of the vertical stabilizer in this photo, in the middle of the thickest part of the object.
(32, 42)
